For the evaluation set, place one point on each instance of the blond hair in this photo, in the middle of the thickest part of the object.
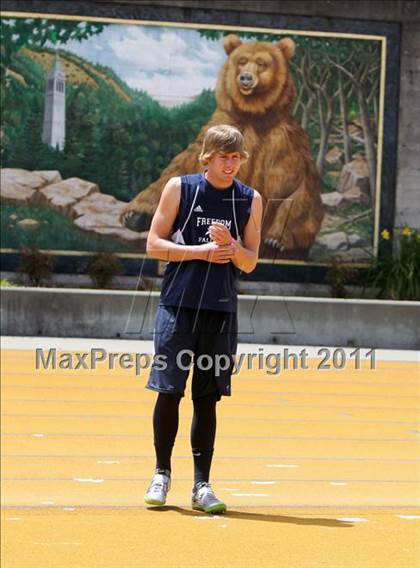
(222, 138)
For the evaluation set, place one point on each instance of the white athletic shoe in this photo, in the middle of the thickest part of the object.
(158, 489)
(204, 499)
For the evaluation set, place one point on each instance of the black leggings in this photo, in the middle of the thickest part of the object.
(203, 432)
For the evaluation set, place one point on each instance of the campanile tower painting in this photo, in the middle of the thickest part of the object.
(54, 128)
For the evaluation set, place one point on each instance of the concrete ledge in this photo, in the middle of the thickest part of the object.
(303, 289)
(49, 312)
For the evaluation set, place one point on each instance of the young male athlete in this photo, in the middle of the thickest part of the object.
(207, 226)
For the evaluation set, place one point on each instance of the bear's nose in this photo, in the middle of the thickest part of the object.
(246, 78)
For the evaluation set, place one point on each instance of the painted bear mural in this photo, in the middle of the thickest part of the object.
(255, 92)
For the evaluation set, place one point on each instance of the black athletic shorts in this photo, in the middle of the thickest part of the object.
(206, 339)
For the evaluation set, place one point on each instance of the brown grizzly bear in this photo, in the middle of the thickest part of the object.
(255, 92)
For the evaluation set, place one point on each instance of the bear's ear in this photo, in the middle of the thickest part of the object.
(287, 46)
(231, 42)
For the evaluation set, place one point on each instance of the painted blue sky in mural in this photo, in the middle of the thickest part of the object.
(171, 64)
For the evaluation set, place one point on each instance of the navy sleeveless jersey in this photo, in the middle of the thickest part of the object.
(198, 283)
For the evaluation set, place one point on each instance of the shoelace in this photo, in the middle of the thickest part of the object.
(207, 489)
(159, 484)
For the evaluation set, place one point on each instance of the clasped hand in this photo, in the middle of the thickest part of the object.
(223, 246)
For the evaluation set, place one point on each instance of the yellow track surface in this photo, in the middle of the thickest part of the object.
(319, 469)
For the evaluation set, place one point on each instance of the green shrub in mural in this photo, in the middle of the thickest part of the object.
(96, 116)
